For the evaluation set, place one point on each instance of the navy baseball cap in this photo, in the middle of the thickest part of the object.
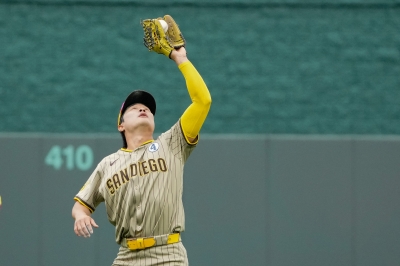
(135, 97)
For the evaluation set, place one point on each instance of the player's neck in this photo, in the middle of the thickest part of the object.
(136, 140)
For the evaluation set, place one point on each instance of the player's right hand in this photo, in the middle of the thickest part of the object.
(84, 226)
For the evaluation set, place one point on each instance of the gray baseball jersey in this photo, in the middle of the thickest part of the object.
(142, 189)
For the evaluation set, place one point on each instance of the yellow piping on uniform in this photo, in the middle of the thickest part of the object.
(83, 204)
(144, 143)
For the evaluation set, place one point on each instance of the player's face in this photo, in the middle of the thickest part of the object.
(138, 115)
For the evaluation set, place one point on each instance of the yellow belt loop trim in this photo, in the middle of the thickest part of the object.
(173, 238)
(149, 242)
(139, 243)
(142, 243)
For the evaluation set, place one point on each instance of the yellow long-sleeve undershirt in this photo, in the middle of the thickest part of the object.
(194, 116)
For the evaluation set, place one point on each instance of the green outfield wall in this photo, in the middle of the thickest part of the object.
(296, 67)
(268, 200)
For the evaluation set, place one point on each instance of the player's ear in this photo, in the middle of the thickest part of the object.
(121, 128)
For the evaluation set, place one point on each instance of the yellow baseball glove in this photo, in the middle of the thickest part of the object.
(174, 34)
(155, 39)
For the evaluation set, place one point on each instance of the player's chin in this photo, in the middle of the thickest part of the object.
(146, 122)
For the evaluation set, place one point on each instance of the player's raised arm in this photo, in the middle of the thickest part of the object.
(163, 36)
(193, 118)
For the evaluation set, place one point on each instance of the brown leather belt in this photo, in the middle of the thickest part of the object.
(146, 242)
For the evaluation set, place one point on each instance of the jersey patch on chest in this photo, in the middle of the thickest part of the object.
(153, 147)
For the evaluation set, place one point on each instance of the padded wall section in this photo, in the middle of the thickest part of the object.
(266, 200)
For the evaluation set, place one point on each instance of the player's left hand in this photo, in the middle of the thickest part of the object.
(84, 226)
(179, 55)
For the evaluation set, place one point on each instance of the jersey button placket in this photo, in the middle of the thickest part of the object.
(137, 196)
(139, 211)
(139, 217)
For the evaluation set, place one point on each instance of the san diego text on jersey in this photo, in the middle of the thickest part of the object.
(140, 168)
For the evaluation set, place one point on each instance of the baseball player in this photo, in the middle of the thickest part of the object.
(141, 184)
